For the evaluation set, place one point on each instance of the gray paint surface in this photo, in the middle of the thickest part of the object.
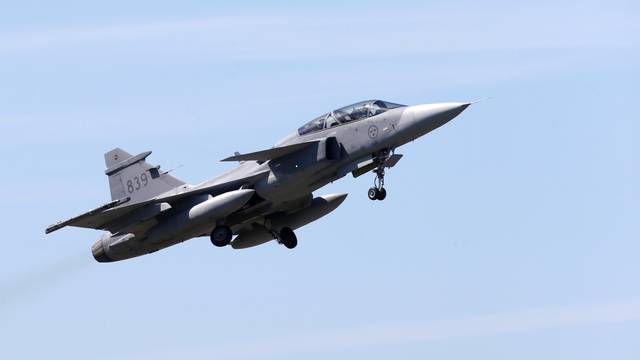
(270, 190)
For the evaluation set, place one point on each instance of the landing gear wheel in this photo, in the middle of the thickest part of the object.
(373, 193)
(288, 238)
(221, 235)
(377, 192)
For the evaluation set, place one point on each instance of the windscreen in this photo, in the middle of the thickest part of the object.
(347, 114)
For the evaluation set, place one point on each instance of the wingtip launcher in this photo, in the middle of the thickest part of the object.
(107, 206)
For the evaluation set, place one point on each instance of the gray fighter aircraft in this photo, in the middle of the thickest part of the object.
(267, 196)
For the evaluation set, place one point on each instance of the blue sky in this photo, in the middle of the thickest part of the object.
(512, 232)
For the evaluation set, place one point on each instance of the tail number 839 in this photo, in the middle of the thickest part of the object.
(137, 183)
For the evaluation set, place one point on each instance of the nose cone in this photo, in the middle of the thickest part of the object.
(432, 116)
(421, 119)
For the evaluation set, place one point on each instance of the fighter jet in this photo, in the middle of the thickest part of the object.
(268, 195)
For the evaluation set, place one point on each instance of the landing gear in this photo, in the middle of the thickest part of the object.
(221, 235)
(373, 193)
(377, 192)
(288, 238)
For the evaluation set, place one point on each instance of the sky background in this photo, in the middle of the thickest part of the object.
(512, 232)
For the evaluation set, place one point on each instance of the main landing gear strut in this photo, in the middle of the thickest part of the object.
(222, 234)
(378, 192)
(287, 238)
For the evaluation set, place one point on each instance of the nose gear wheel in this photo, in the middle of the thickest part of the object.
(378, 192)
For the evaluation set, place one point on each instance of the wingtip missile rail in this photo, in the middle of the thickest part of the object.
(107, 206)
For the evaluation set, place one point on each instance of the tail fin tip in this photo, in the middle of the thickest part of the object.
(115, 156)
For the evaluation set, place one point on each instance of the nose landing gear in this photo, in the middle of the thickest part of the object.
(378, 192)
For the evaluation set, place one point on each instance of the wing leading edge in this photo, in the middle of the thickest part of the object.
(270, 154)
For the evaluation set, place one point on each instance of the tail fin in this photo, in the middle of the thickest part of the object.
(131, 176)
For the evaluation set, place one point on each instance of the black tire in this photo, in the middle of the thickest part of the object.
(221, 236)
(373, 193)
(288, 238)
(382, 193)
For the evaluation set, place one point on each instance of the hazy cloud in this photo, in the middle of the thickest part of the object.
(394, 32)
(28, 286)
(394, 334)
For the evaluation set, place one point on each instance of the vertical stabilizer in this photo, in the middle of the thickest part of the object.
(131, 176)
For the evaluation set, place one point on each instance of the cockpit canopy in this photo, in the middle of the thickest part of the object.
(357, 111)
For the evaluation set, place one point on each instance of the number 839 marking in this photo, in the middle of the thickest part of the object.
(137, 182)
